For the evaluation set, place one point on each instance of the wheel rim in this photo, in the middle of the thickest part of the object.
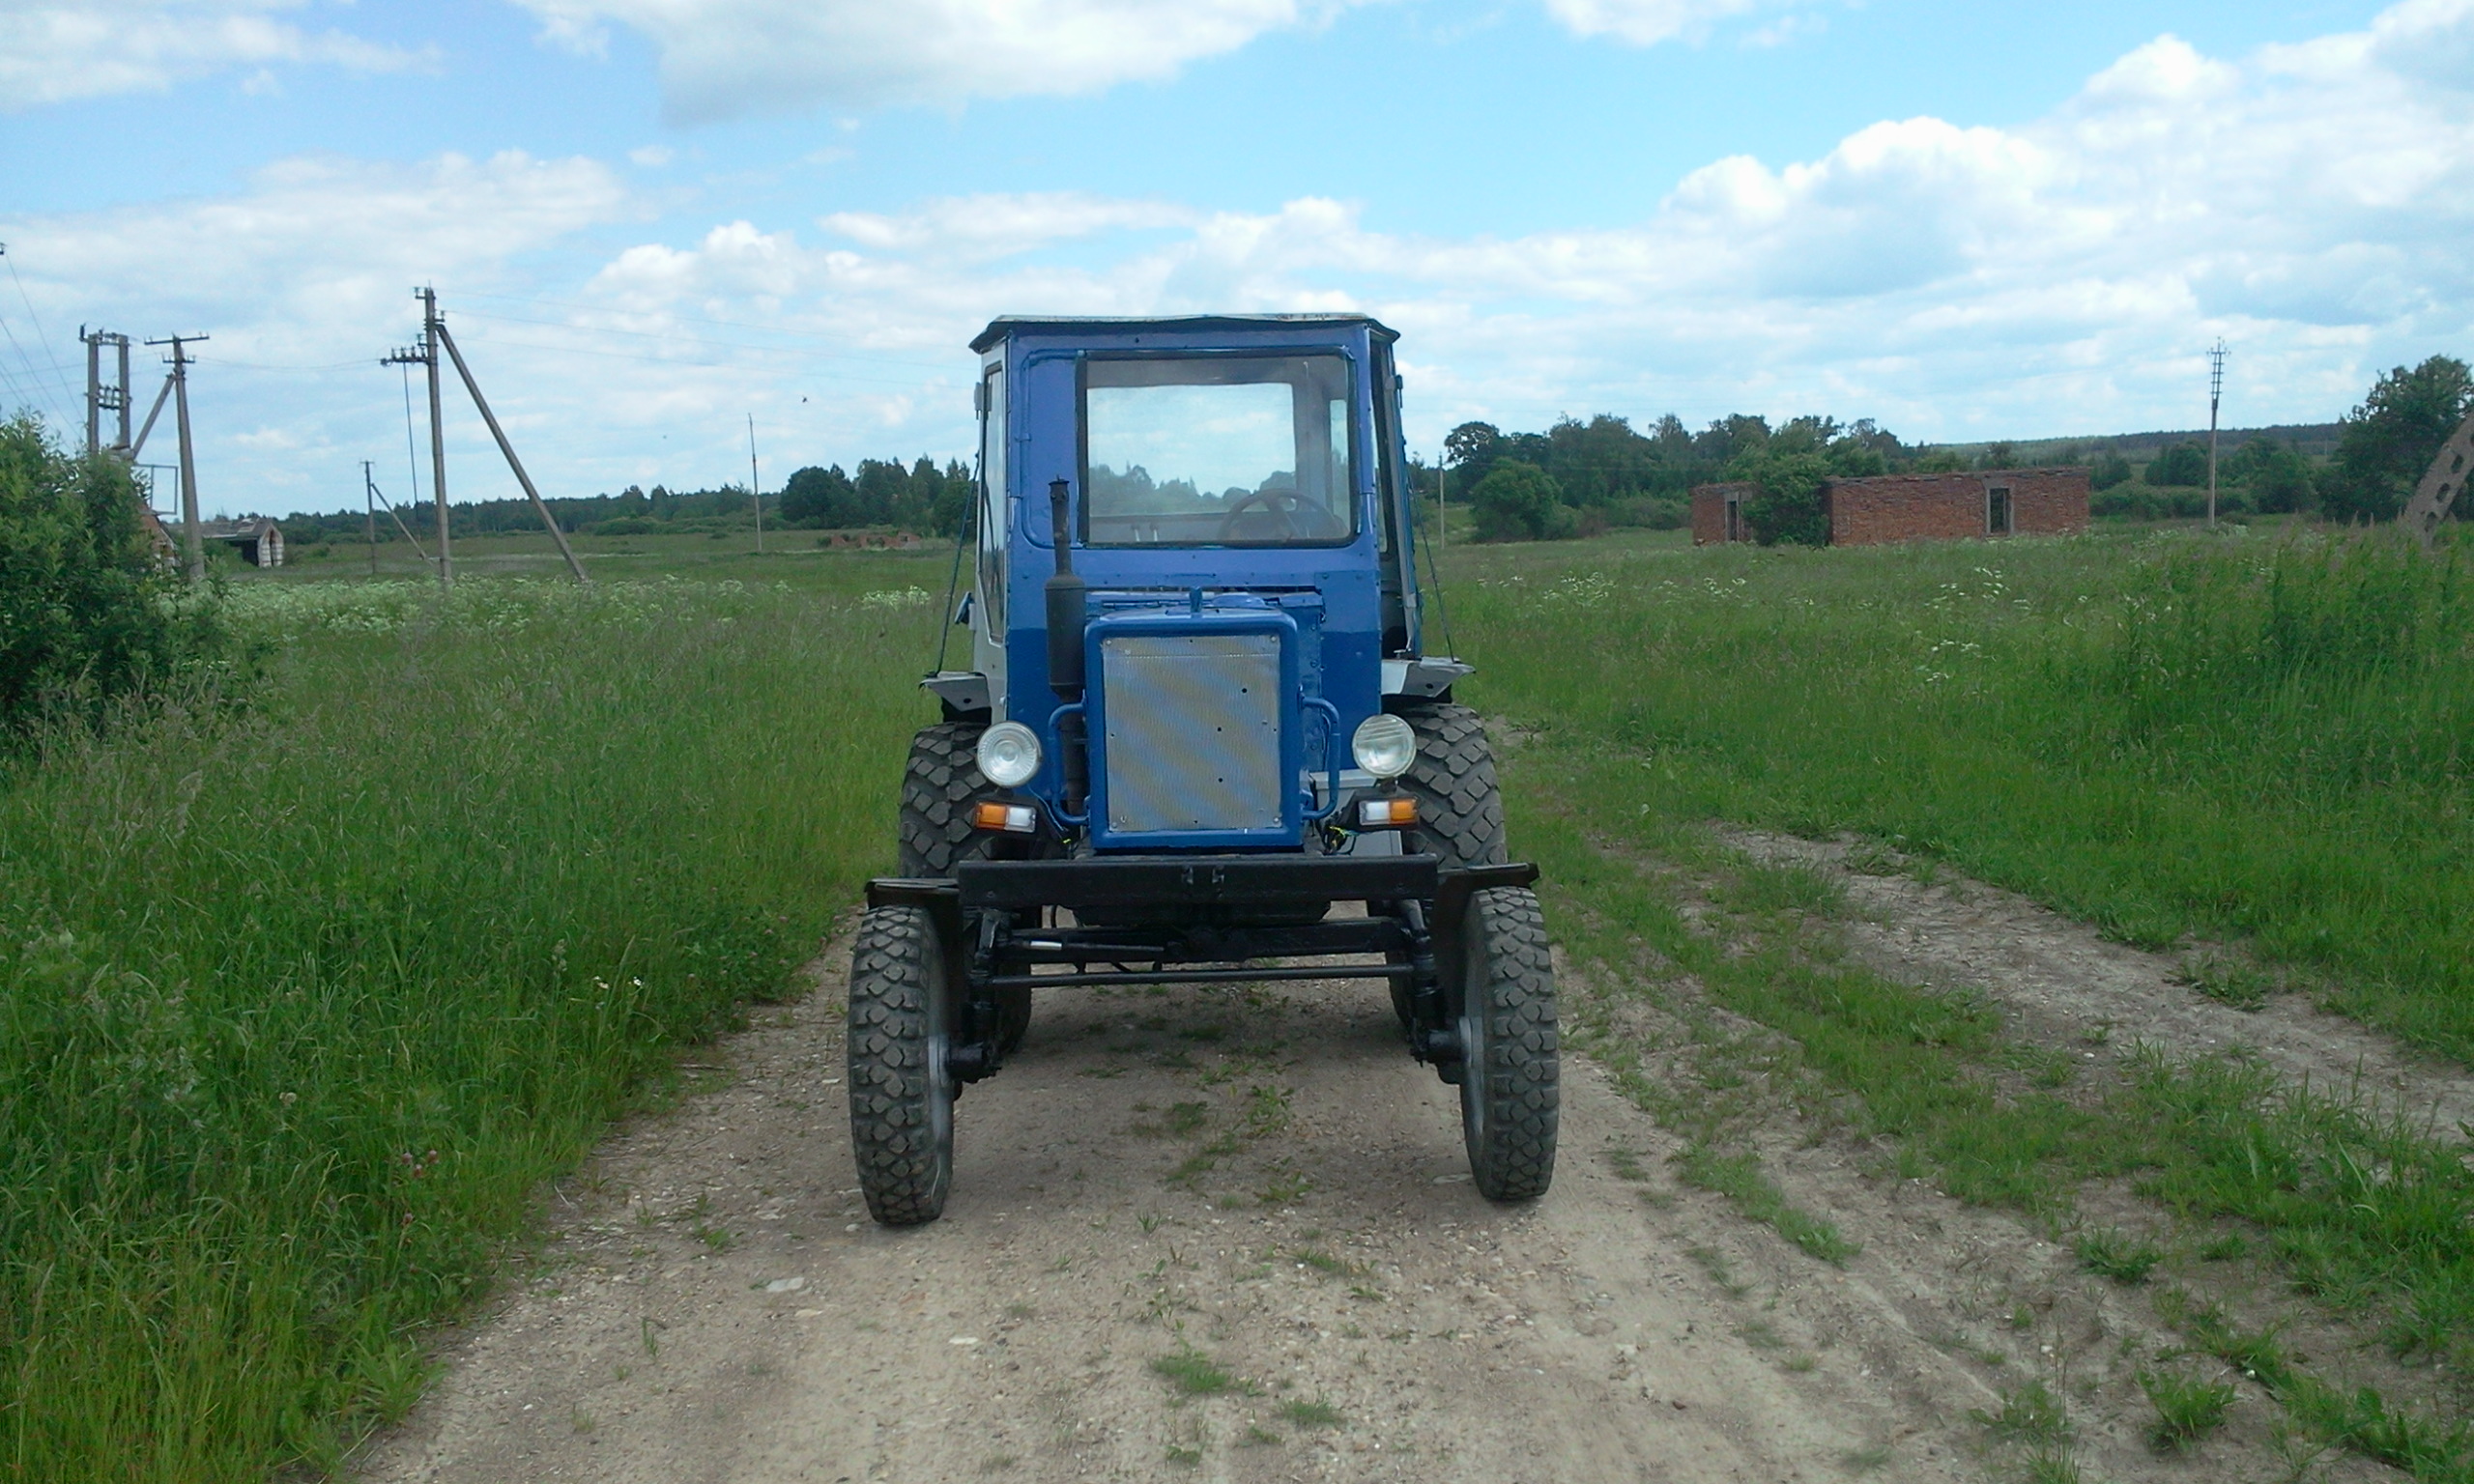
(940, 1081)
(1472, 1026)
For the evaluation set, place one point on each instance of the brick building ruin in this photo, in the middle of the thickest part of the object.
(1878, 508)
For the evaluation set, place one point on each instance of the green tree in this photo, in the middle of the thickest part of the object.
(1519, 501)
(88, 611)
(1470, 452)
(820, 497)
(2183, 464)
(1789, 510)
(2384, 445)
(2276, 476)
(2109, 468)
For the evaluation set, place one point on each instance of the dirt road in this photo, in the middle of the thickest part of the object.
(1227, 1234)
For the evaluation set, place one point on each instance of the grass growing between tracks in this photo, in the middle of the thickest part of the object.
(299, 1001)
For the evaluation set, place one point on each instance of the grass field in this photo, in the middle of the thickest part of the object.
(298, 1006)
(300, 1001)
(2168, 734)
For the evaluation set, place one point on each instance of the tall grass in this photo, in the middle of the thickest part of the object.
(2233, 737)
(298, 1005)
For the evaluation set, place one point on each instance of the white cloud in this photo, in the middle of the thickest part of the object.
(721, 58)
(1647, 22)
(2312, 204)
(53, 53)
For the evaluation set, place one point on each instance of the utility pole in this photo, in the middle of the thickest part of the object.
(425, 355)
(1442, 514)
(754, 485)
(370, 497)
(2215, 390)
(178, 384)
(101, 398)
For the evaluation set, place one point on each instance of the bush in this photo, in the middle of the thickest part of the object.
(630, 526)
(2183, 464)
(1788, 510)
(1519, 503)
(2108, 471)
(87, 612)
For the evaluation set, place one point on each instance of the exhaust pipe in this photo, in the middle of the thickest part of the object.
(1067, 609)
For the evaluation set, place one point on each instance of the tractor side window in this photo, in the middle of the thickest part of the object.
(1217, 450)
(991, 501)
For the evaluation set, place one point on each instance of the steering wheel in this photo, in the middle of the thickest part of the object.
(1287, 505)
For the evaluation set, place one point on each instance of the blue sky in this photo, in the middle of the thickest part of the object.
(650, 218)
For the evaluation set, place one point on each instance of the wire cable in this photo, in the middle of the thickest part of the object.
(60, 374)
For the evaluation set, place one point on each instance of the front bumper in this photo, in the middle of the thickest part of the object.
(1173, 883)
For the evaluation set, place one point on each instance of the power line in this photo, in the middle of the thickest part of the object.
(60, 375)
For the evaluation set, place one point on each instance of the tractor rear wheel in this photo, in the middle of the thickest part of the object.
(1510, 1094)
(1460, 808)
(938, 785)
(902, 1098)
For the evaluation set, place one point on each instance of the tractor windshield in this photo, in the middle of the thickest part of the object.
(1217, 450)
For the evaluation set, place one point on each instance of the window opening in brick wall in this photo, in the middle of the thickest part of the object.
(1997, 510)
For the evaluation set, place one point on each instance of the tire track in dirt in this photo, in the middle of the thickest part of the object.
(1331, 1256)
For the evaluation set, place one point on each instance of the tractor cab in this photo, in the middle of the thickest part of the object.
(1231, 496)
(1200, 716)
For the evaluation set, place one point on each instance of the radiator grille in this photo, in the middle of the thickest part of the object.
(1193, 739)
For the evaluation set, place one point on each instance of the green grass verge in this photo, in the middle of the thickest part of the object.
(298, 1006)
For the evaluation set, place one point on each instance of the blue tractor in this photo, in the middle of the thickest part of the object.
(1200, 716)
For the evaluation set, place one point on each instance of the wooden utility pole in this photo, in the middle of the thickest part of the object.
(425, 355)
(178, 384)
(2215, 390)
(437, 436)
(754, 485)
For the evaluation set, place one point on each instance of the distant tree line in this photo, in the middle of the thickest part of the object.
(1577, 478)
(921, 497)
(2383, 446)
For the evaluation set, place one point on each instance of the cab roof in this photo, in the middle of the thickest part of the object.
(1017, 324)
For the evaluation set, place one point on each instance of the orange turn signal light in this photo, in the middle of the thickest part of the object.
(1011, 818)
(1386, 814)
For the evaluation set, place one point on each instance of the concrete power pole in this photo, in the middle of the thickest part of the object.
(102, 397)
(2215, 390)
(425, 355)
(192, 534)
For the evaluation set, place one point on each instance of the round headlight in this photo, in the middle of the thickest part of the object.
(1009, 755)
(1384, 745)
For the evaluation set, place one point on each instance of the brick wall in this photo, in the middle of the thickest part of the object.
(1709, 511)
(1946, 507)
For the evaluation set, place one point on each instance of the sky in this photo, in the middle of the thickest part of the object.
(650, 221)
